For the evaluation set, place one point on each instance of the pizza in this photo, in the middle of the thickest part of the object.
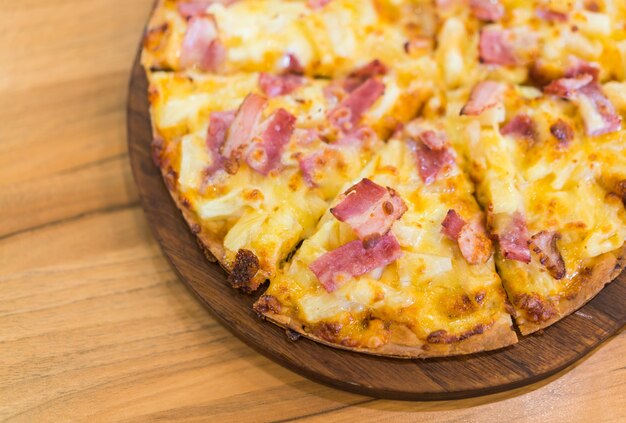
(406, 178)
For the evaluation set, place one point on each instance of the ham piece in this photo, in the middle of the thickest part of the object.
(201, 46)
(568, 87)
(317, 4)
(430, 151)
(433, 140)
(484, 95)
(562, 131)
(370, 210)
(487, 10)
(219, 122)
(336, 267)
(471, 237)
(290, 64)
(452, 225)
(243, 126)
(264, 153)
(362, 74)
(543, 244)
(189, 9)
(277, 85)
(348, 113)
(474, 243)
(513, 238)
(598, 112)
(309, 166)
(496, 48)
(521, 126)
(244, 136)
(577, 67)
(550, 15)
(581, 86)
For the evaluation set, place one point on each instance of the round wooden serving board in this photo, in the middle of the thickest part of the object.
(533, 358)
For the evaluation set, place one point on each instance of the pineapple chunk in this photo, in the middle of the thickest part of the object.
(178, 110)
(231, 204)
(451, 59)
(592, 23)
(194, 158)
(417, 267)
(244, 230)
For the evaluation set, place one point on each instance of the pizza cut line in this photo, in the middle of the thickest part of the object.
(412, 177)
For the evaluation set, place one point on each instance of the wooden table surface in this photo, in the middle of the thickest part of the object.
(93, 322)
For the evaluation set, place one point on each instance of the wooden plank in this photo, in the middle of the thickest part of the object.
(140, 336)
(570, 396)
(94, 187)
(63, 127)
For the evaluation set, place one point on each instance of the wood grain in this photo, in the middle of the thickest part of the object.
(94, 325)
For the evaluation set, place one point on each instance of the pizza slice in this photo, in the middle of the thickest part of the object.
(401, 264)
(560, 233)
(302, 37)
(252, 159)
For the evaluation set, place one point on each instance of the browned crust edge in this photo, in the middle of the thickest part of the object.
(604, 271)
(154, 15)
(210, 244)
(147, 58)
(499, 335)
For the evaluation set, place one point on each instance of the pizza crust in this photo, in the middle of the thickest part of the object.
(607, 268)
(157, 19)
(407, 345)
(213, 248)
(211, 245)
